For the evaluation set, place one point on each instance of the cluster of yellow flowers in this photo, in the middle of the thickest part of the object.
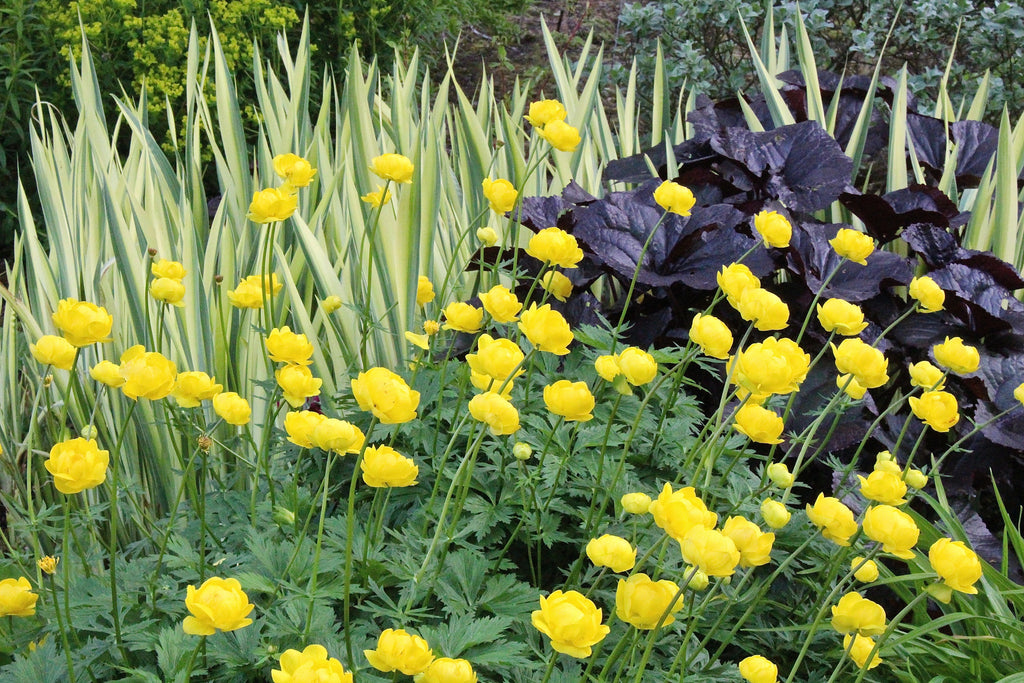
(410, 654)
(548, 119)
(274, 204)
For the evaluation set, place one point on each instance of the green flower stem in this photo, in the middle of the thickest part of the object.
(332, 457)
(841, 664)
(678, 372)
(186, 474)
(695, 611)
(652, 636)
(515, 216)
(551, 667)
(616, 654)
(56, 601)
(817, 297)
(266, 283)
(601, 457)
(370, 240)
(114, 481)
(29, 466)
(190, 664)
(262, 456)
(161, 314)
(439, 467)
(632, 283)
(913, 308)
(893, 623)
(350, 530)
(561, 465)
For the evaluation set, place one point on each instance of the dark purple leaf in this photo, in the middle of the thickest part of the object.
(801, 165)
(813, 259)
(976, 144)
(885, 216)
(929, 137)
(976, 298)
(935, 245)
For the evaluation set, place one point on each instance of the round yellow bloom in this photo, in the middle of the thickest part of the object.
(546, 329)
(107, 373)
(925, 375)
(863, 570)
(190, 388)
(384, 467)
(312, 665)
(956, 564)
(938, 409)
(927, 293)
(336, 435)
(560, 135)
(147, 374)
(774, 366)
(842, 317)
(856, 614)
(424, 290)
(393, 167)
(833, 518)
(522, 451)
(543, 112)
(641, 601)
(759, 424)
(774, 229)
(218, 605)
(956, 356)
(867, 364)
(674, 198)
(765, 309)
(853, 245)
(916, 479)
(613, 552)
(500, 194)
(330, 304)
(377, 198)
(883, 486)
(249, 293)
(556, 284)
(168, 291)
(775, 513)
(82, 323)
(861, 649)
(386, 395)
(780, 475)
(755, 546)
(447, 670)
(168, 269)
(571, 621)
(463, 317)
(555, 246)
(77, 465)
(734, 279)
(487, 383)
(301, 425)
(638, 366)
(52, 350)
(710, 550)
(571, 400)
(712, 336)
(232, 408)
(893, 528)
(501, 303)
(285, 346)
(496, 412)
(297, 383)
(607, 367)
(398, 650)
(487, 236)
(636, 503)
(271, 205)
(17, 598)
(757, 669)
(293, 169)
(679, 511)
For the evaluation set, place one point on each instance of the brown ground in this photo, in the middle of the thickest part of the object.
(525, 57)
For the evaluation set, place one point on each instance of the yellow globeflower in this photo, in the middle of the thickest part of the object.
(571, 400)
(249, 293)
(500, 194)
(774, 366)
(217, 605)
(758, 669)
(867, 364)
(301, 426)
(883, 486)
(543, 112)
(487, 236)
(297, 383)
(557, 284)
(107, 372)
(82, 323)
(556, 246)
(398, 650)
(232, 408)
(927, 293)
(331, 434)
(501, 304)
(674, 198)
(956, 564)
(560, 135)
(734, 279)
(638, 366)
(775, 513)
(77, 465)
(710, 550)
(386, 395)
(755, 546)
(384, 467)
(377, 198)
(191, 388)
(853, 245)
(424, 290)
(856, 614)
(169, 269)
(147, 374)
(833, 518)
(642, 602)
(679, 511)
(496, 358)
(294, 170)
(773, 228)
(613, 552)
(572, 622)
(17, 598)
(312, 665)
(167, 291)
(842, 317)
(864, 570)
(759, 424)
(636, 503)
(546, 329)
(763, 308)
(925, 375)
(463, 317)
(956, 356)
(937, 409)
(496, 412)
(447, 670)
(285, 346)
(53, 350)
(859, 651)
(271, 205)
(894, 529)
(712, 336)
(393, 167)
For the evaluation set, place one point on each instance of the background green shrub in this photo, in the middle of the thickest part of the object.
(704, 44)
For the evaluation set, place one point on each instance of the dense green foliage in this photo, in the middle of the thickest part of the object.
(705, 48)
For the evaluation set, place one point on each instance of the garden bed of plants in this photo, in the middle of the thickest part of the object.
(450, 388)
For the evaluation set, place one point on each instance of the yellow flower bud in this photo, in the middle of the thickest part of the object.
(775, 513)
(487, 236)
(712, 335)
(218, 605)
(853, 245)
(916, 479)
(330, 304)
(774, 229)
(613, 552)
(555, 246)
(863, 570)
(780, 475)
(928, 294)
(424, 291)
(925, 375)
(674, 198)
(384, 467)
(500, 194)
(954, 355)
(757, 669)
(636, 503)
(393, 167)
(272, 204)
(53, 350)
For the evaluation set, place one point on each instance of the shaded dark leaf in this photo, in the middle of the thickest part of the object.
(935, 245)
(885, 216)
(800, 165)
(692, 153)
(976, 298)
(976, 144)
(814, 259)
(928, 136)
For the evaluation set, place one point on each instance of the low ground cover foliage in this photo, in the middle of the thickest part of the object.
(694, 428)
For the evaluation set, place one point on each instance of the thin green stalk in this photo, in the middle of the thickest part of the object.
(350, 530)
(314, 573)
(56, 601)
(115, 470)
